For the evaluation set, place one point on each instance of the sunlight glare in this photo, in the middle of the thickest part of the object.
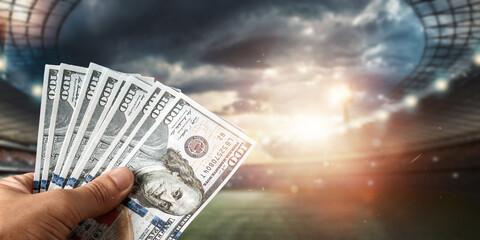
(270, 72)
(302, 68)
(341, 94)
(309, 128)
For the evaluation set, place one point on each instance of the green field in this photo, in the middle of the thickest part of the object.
(243, 214)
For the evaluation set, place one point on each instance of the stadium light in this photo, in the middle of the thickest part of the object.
(476, 59)
(3, 64)
(440, 85)
(37, 90)
(411, 101)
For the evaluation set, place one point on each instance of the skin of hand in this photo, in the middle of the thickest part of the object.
(53, 214)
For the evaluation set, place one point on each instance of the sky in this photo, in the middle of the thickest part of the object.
(267, 66)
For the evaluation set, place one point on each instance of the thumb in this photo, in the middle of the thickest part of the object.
(103, 194)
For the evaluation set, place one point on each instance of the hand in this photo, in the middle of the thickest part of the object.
(53, 214)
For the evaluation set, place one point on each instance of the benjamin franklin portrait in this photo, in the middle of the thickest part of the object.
(163, 178)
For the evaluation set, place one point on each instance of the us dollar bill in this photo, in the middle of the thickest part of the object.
(179, 165)
(108, 86)
(87, 91)
(125, 108)
(48, 95)
(162, 95)
(69, 85)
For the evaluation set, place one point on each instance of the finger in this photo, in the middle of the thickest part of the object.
(28, 181)
(28, 177)
(103, 194)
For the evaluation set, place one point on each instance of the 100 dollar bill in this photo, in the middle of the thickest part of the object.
(48, 95)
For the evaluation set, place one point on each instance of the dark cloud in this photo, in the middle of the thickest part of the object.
(112, 30)
(127, 29)
(243, 36)
(248, 53)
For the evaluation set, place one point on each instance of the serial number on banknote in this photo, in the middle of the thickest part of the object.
(217, 158)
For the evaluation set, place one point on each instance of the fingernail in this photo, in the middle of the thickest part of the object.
(122, 177)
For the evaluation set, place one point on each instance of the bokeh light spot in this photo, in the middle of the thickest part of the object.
(411, 101)
(36, 90)
(440, 85)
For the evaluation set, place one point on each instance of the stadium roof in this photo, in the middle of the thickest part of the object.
(448, 116)
(31, 29)
(29, 32)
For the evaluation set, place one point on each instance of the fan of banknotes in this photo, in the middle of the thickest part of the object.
(95, 119)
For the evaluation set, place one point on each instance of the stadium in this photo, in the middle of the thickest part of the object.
(389, 152)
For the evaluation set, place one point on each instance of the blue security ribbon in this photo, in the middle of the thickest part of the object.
(176, 234)
(158, 222)
(71, 182)
(88, 179)
(43, 184)
(60, 181)
(36, 185)
(135, 207)
(55, 178)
